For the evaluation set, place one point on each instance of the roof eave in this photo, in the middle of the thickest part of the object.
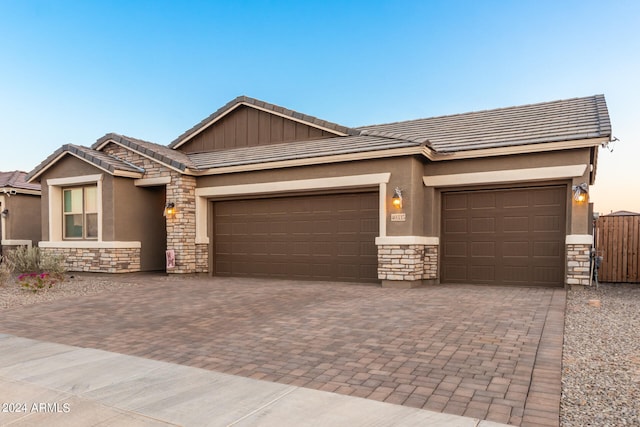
(518, 149)
(17, 190)
(377, 154)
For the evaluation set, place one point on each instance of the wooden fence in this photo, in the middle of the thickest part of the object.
(618, 242)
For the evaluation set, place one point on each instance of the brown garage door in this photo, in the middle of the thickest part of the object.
(504, 237)
(320, 237)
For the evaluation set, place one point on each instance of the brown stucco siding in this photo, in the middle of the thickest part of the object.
(138, 217)
(247, 127)
(23, 220)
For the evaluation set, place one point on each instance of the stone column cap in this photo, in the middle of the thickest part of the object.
(407, 240)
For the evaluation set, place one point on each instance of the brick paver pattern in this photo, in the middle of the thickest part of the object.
(492, 353)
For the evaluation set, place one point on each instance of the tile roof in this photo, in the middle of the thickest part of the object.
(296, 150)
(17, 180)
(564, 120)
(161, 153)
(245, 100)
(99, 159)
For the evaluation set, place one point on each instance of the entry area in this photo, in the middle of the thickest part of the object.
(504, 236)
(306, 237)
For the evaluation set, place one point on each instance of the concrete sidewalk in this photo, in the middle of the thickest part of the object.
(43, 383)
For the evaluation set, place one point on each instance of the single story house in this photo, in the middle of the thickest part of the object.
(19, 211)
(254, 189)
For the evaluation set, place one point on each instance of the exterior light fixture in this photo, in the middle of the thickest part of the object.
(396, 200)
(580, 192)
(5, 213)
(169, 209)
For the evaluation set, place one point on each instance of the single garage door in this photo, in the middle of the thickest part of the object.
(504, 237)
(319, 237)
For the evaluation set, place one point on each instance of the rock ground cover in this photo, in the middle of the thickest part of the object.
(601, 358)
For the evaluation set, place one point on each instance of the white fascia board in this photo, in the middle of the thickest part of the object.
(579, 239)
(506, 176)
(408, 240)
(150, 182)
(74, 180)
(518, 149)
(89, 244)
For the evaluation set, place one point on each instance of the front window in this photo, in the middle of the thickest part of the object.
(80, 212)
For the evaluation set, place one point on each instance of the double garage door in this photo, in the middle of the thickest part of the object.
(504, 237)
(318, 237)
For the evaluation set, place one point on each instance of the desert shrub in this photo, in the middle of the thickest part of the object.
(32, 260)
(24, 259)
(5, 271)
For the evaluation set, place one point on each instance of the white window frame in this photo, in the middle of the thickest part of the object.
(83, 212)
(56, 206)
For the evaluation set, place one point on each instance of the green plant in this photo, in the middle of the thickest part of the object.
(36, 281)
(39, 270)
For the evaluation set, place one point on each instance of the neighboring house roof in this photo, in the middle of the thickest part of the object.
(16, 180)
(564, 120)
(622, 213)
(328, 147)
(265, 106)
(109, 164)
(160, 153)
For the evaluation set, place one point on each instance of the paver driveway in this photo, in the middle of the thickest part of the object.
(492, 353)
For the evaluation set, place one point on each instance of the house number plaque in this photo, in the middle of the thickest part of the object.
(398, 217)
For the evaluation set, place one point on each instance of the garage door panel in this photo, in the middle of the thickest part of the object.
(516, 249)
(483, 249)
(455, 225)
(483, 225)
(518, 234)
(546, 223)
(455, 249)
(515, 224)
(328, 237)
(482, 273)
(482, 200)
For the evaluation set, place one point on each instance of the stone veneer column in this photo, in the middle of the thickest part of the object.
(579, 259)
(578, 264)
(405, 261)
(181, 229)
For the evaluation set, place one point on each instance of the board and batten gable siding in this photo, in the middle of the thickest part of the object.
(248, 127)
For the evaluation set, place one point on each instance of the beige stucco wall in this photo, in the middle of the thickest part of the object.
(23, 221)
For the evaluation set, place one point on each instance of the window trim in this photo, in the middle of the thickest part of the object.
(56, 206)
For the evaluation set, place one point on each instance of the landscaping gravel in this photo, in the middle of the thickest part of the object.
(12, 295)
(601, 360)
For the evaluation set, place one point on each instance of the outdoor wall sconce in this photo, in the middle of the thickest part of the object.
(5, 213)
(396, 200)
(580, 192)
(170, 210)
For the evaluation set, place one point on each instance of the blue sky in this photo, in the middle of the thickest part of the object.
(72, 71)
